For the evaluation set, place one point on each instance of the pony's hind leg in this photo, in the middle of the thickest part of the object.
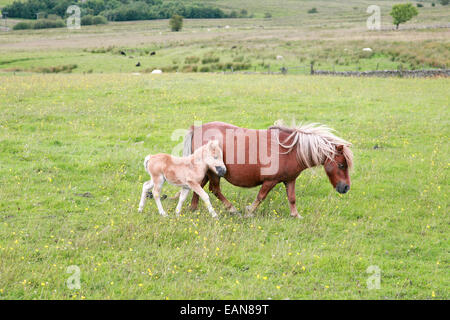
(183, 195)
(202, 194)
(158, 182)
(145, 189)
(262, 194)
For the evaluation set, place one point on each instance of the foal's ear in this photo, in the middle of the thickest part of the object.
(340, 148)
(213, 143)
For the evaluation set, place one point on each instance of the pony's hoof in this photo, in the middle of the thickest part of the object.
(237, 214)
(248, 215)
(233, 210)
(297, 217)
(140, 210)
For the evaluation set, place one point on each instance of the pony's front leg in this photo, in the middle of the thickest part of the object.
(183, 195)
(202, 194)
(262, 194)
(214, 187)
(145, 189)
(290, 191)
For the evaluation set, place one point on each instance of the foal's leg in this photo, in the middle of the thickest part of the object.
(158, 182)
(290, 191)
(202, 193)
(145, 189)
(194, 201)
(183, 195)
(262, 194)
(214, 186)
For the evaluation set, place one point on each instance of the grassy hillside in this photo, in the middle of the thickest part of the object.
(72, 148)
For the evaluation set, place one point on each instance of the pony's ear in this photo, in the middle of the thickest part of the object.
(340, 148)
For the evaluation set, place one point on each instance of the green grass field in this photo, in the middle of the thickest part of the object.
(72, 147)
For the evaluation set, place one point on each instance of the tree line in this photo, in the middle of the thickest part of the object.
(117, 10)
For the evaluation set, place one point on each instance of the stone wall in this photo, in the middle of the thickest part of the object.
(387, 73)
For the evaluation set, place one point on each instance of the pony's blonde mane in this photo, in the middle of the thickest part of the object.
(315, 143)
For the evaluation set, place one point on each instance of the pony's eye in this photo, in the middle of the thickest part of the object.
(341, 166)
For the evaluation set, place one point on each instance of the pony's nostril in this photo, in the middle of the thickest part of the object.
(342, 187)
(221, 171)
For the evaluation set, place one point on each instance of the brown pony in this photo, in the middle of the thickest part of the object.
(268, 157)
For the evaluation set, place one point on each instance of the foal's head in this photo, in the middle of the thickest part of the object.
(337, 168)
(213, 157)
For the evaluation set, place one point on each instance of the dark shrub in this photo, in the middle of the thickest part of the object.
(210, 59)
(93, 20)
(176, 23)
(189, 68)
(313, 10)
(191, 59)
(99, 20)
(233, 14)
(56, 69)
(87, 20)
(22, 26)
(45, 24)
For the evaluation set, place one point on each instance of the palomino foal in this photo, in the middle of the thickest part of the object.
(187, 173)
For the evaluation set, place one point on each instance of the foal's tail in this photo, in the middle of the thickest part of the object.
(147, 158)
(187, 144)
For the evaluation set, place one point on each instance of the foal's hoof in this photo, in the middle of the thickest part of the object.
(150, 195)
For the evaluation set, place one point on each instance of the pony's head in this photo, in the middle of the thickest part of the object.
(337, 168)
(213, 157)
(317, 145)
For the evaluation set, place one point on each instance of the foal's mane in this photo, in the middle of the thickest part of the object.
(315, 143)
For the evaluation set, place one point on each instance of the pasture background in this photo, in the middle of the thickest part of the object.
(72, 147)
(64, 135)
